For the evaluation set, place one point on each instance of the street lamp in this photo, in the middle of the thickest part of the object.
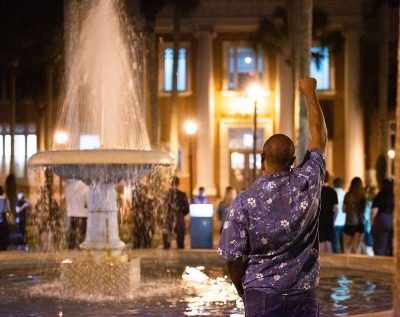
(392, 154)
(60, 137)
(255, 93)
(190, 129)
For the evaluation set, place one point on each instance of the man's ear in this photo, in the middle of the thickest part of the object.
(262, 161)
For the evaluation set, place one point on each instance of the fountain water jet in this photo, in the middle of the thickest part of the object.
(102, 103)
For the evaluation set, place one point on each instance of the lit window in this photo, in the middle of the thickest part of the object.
(320, 67)
(182, 69)
(19, 145)
(242, 138)
(258, 161)
(19, 153)
(247, 140)
(244, 64)
(31, 145)
(237, 160)
(7, 141)
(25, 145)
(89, 142)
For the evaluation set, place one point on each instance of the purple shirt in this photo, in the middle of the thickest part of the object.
(274, 224)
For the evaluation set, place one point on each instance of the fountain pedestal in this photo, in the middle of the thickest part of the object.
(103, 270)
(112, 276)
(102, 236)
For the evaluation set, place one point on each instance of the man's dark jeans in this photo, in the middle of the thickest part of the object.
(260, 304)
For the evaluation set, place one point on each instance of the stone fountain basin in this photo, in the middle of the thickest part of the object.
(101, 156)
(106, 165)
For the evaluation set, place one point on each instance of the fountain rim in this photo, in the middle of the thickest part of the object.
(101, 157)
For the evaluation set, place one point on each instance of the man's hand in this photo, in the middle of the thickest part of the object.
(307, 85)
(236, 271)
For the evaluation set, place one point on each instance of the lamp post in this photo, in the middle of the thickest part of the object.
(255, 93)
(190, 129)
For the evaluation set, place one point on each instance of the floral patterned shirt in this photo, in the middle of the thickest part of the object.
(273, 225)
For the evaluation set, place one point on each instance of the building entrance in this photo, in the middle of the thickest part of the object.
(241, 168)
(236, 151)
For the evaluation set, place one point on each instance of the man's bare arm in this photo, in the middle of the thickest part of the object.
(317, 126)
(236, 271)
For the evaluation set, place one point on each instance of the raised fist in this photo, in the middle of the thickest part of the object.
(307, 85)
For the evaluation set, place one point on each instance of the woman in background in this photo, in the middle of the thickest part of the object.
(382, 219)
(354, 206)
(224, 204)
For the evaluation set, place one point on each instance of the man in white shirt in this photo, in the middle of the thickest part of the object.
(76, 197)
(340, 219)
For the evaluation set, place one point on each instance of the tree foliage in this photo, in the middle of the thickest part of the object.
(272, 33)
(150, 9)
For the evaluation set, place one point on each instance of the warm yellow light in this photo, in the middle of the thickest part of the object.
(190, 127)
(255, 92)
(60, 137)
(391, 154)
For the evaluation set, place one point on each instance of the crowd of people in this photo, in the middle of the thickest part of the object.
(357, 221)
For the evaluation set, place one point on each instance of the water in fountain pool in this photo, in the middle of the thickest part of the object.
(173, 289)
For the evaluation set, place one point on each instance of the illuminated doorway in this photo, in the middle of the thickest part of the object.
(236, 155)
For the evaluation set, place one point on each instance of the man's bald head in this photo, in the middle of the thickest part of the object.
(279, 151)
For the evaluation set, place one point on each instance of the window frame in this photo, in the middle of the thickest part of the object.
(20, 129)
(163, 46)
(263, 79)
(332, 83)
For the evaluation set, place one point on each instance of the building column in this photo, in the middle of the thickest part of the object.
(353, 114)
(205, 113)
(284, 119)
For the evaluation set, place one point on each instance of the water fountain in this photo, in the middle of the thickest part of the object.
(102, 104)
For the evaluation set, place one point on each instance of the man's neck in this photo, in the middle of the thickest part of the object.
(275, 169)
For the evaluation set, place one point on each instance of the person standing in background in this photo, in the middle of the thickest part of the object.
(177, 207)
(367, 240)
(224, 204)
(340, 219)
(4, 208)
(21, 208)
(76, 198)
(329, 207)
(201, 198)
(382, 219)
(354, 207)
